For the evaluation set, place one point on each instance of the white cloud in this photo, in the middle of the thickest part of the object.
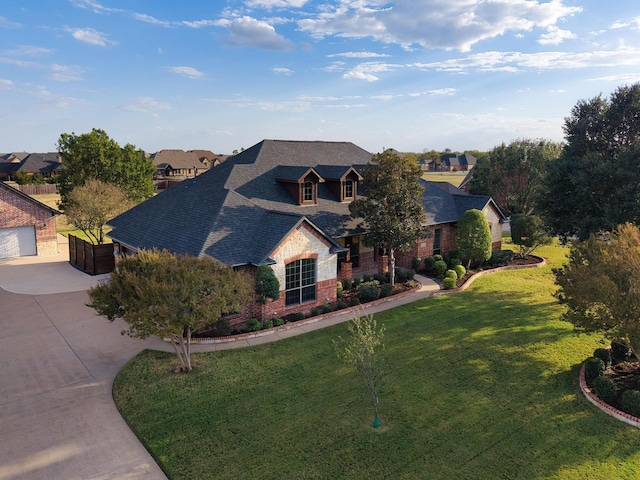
(434, 23)
(5, 84)
(5, 23)
(249, 32)
(188, 72)
(200, 23)
(282, 70)
(27, 50)
(555, 36)
(268, 4)
(66, 73)
(147, 105)
(143, 17)
(368, 71)
(91, 36)
(358, 55)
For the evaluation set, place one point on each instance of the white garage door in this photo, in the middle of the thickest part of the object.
(17, 242)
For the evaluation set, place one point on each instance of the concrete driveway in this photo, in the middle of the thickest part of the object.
(59, 360)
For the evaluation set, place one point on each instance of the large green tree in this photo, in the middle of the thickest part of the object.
(171, 296)
(528, 232)
(600, 284)
(94, 155)
(595, 184)
(473, 237)
(92, 205)
(391, 210)
(514, 175)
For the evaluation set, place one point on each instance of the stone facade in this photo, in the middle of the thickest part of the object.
(17, 210)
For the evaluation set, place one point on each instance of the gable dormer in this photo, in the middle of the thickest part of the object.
(342, 181)
(301, 182)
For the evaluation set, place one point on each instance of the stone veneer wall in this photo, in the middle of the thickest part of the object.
(16, 211)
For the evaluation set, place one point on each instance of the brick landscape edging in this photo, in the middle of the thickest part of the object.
(605, 407)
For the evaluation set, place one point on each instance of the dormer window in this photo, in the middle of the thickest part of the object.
(348, 190)
(307, 192)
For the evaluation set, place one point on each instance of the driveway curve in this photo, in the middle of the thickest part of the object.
(59, 360)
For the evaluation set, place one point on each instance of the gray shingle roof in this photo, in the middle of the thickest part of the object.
(444, 203)
(239, 212)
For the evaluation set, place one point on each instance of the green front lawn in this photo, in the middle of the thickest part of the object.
(482, 384)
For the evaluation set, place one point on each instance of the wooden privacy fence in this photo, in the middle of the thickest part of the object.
(32, 189)
(91, 259)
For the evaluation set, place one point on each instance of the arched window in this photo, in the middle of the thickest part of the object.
(300, 281)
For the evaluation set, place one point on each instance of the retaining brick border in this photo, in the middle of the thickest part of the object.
(605, 407)
(301, 323)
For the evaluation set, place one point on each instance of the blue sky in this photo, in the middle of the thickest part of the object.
(225, 74)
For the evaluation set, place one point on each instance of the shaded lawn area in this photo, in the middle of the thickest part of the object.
(482, 384)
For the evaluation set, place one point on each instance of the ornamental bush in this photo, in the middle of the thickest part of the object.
(454, 262)
(339, 289)
(631, 402)
(355, 301)
(451, 274)
(460, 270)
(386, 289)
(605, 389)
(267, 324)
(620, 350)
(439, 268)
(429, 265)
(356, 282)
(603, 354)
(366, 278)
(449, 283)
(593, 368)
(369, 292)
(253, 325)
(347, 284)
(415, 263)
(278, 321)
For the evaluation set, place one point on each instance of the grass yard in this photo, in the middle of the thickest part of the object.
(454, 178)
(482, 384)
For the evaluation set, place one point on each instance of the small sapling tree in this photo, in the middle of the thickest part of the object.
(363, 349)
(267, 287)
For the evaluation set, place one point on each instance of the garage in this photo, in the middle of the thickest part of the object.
(17, 242)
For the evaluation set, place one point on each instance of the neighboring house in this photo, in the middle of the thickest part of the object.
(457, 162)
(27, 227)
(466, 181)
(46, 165)
(178, 164)
(285, 204)
(208, 158)
(10, 163)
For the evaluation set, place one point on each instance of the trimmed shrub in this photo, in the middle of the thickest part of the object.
(429, 265)
(341, 305)
(631, 402)
(347, 284)
(438, 257)
(278, 321)
(400, 275)
(296, 317)
(593, 368)
(449, 283)
(410, 274)
(415, 263)
(451, 274)
(378, 277)
(453, 262)
(620, 350)
(603, 354)
(356, 282)
(339, 289)
(605, 389)
(355, 301)
(369, 292)
(386, 289)
(326, 308)
(315, 311)
(267, 324)
(253, 325)
(439, 268)
(366, 278)
(460, 270)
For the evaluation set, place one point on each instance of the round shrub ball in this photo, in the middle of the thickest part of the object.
(603, 354)
(460, 270)
(620, 350)
(605, 389)
(593, 368)
(253, 325)
(369, 293)
(631, 402)
(451, 274)
(449, 283)
(440, 267)
(455, 262)
(386, 289)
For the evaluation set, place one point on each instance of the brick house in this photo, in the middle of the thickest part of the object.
(27, 227)
(285, 204)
